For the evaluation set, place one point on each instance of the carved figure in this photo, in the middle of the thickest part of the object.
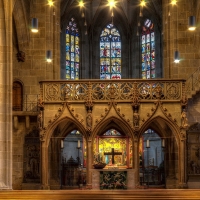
(89, 119)
(39, 120)
(136, 118)
(184, 119)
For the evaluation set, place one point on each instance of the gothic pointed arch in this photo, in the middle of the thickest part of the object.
(113, 123)
(101, 19)
(162, 126)
(63, 126)
(110, 53)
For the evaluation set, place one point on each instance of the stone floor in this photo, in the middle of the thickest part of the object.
(141, 194)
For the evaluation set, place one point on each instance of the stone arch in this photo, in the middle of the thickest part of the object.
(67, 127)
(70, 125)
(174, 150)
(157, 122)
(113, 122)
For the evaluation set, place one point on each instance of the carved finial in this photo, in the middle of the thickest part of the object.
(88, 102)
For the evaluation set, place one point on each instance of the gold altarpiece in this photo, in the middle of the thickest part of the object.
(112, 146)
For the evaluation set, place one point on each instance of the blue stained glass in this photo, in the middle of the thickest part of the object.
(110, 53)
(72, 50)
(148, 50)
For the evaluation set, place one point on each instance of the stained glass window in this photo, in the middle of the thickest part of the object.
(72, 51)
(110, 53)
(112, 132)
(148, 50)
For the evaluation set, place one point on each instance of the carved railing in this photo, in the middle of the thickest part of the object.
(29, 103)
(123, 90)
(193, 83)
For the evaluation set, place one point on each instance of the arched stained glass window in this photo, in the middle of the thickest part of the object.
(72, 51)
(110, 53)
(148, 50)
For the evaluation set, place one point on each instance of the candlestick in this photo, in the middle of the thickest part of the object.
(147, 144)
(61, 144)
(79, 144)
(163, 143)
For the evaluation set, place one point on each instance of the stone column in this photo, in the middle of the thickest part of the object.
(44, 166)
(136, 160)
(89, 164)
(182, 163)
(6, 66)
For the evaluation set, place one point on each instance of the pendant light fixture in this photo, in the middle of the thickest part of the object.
(34, 25)
(49, 56)
(176, 57)
(148, 144)
(163, 143)
(49, 52)
(191, 23)
(176, 53)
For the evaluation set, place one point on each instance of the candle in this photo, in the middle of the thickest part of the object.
(79, 144)
(148, 144)
(61, 144)
(163, 142)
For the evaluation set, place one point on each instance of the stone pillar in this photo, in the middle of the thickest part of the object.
(44, 166)
(182, 163)
(89, 164)
(136, 160)
(6, 94)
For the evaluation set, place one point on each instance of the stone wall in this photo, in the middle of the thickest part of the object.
(177, 37)
(21, 155)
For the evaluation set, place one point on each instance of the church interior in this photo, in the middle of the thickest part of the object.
(100, 96)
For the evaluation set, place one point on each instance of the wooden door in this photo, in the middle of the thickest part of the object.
(17, 96)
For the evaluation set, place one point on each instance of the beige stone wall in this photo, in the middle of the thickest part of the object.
(177, 37)
(24, 123)
(35, 68)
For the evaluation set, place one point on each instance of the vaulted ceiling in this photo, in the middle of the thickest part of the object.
(126, 12)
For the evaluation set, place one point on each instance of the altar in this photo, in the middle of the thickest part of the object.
(120, 178)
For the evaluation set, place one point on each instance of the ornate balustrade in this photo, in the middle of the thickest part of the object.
(124, 90)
